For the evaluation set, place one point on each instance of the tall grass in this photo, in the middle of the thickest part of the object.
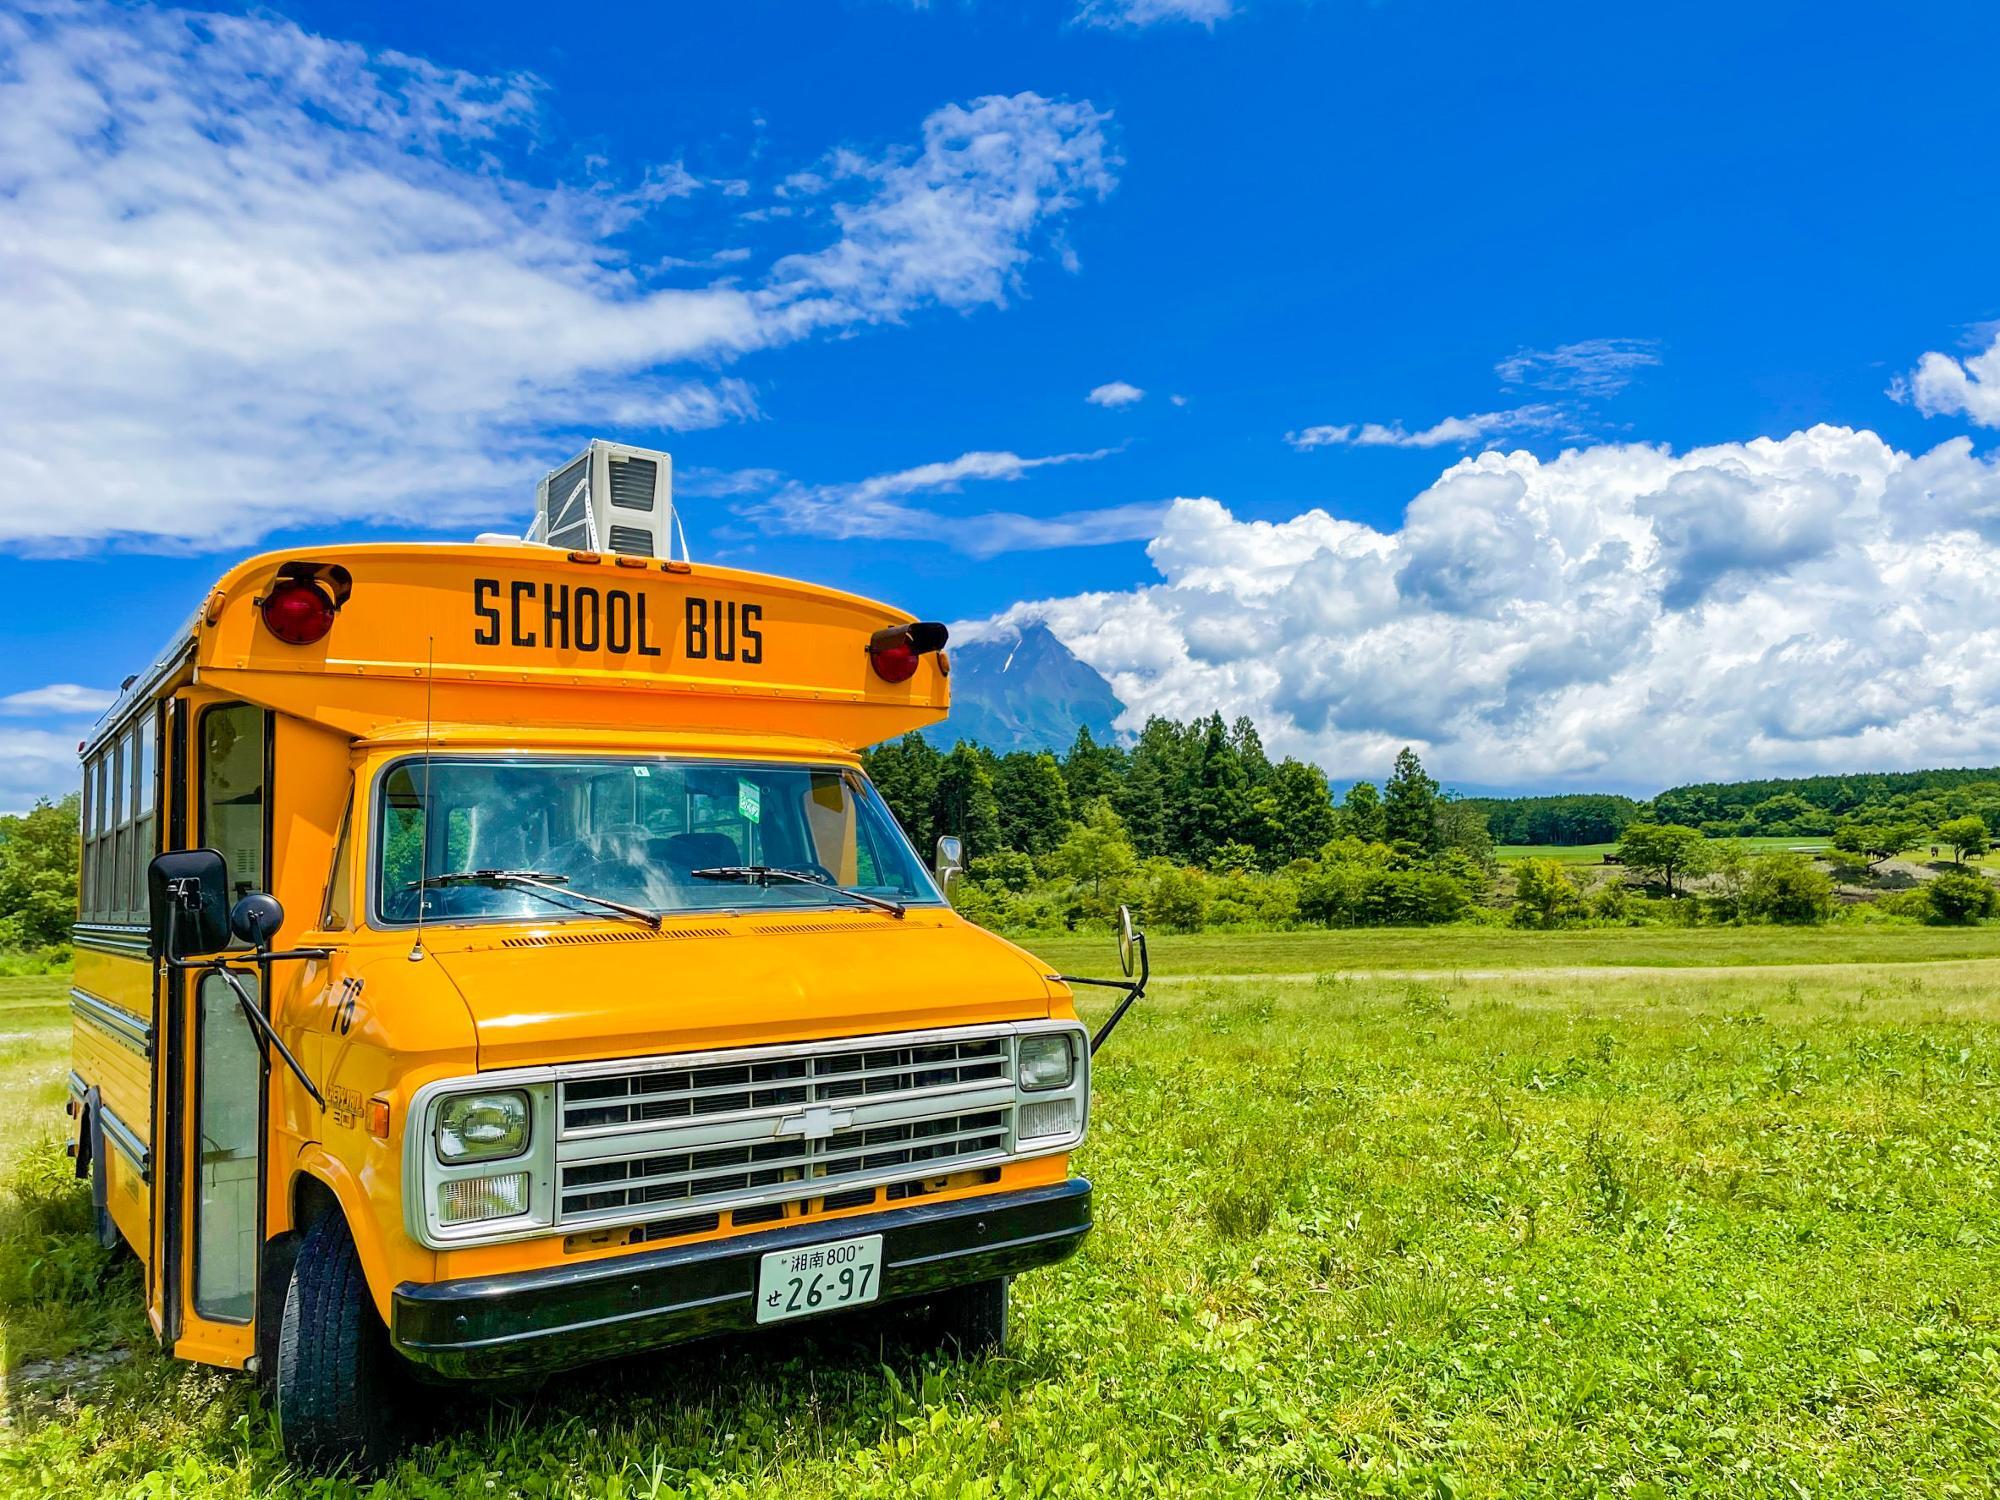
(1684, 1232)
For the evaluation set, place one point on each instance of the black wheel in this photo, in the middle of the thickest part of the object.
(342, 1392)
(972, 1320)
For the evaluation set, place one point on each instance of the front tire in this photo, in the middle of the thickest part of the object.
(341, 1388)
(972, 1320)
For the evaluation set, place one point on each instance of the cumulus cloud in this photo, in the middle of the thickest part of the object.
(1590, 367)
(257, 276)
(1115, 393)
(1969, 387)
(883, 506)
(59, 698)
(1621, 614)
(1462, 432)
(1136, 13)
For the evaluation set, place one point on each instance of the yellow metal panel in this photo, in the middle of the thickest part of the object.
(120, 980)
(530, 635)
(127, 1199)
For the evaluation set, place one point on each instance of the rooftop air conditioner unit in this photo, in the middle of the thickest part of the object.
(609, 498)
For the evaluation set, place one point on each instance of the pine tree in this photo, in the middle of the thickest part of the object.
(1301, 812)
(1249, 747)
(1218, 805)
(1142, 805)
(1033, 801)
(1409, 805)
(1360, 813)
(906, 773)
(964, 805)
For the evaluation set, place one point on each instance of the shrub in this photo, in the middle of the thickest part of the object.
(1787, 887)
(1957, 899)
(1004, 869)
(1903, 905)
(1611, 902)
(1544, 896)
(1174, 896)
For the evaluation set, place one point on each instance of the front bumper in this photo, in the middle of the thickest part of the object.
(535, 1321)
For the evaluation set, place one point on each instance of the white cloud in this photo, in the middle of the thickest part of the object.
(1461, 432)
(59, 698)
(881, 507)
(1137, 13)
(1969, 387)
(1590, 367)
(953, 224)
(1618, 615)
(258, 277)
(1115, 393)
(36, 763)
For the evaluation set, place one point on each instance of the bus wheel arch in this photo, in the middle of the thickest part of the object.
(322, 1184)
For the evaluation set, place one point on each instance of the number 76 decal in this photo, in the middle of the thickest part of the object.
(343, 1006)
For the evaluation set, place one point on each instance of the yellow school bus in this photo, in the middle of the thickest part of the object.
(492, 959)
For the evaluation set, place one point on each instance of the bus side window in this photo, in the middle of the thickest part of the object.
(232, 792)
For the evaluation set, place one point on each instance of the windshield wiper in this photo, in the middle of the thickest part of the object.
(542, 883)
(765, 874)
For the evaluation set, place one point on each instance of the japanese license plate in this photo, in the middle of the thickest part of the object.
(819, 1278)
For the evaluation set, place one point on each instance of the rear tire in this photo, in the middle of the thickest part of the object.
(972, 1320)
(101, 1222)
(342, 1391)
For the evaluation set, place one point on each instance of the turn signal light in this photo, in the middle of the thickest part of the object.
(896, 663)
(297, 611)
(895, 652)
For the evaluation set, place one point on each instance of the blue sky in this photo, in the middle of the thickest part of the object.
(1348, 280)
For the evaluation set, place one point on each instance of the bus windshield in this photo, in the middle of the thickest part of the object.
(661, 835)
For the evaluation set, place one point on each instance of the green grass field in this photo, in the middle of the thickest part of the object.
(1697, 1229)
(1593, 854)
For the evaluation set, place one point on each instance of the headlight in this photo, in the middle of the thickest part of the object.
(482, 1127)
(1046, 1062)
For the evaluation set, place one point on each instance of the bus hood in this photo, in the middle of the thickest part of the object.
(570, 994)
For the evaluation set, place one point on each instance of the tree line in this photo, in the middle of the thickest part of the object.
(1201, 793)
(1789, 807)
(1193, 823)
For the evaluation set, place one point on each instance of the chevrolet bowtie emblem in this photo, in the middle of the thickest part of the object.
(816, 1123)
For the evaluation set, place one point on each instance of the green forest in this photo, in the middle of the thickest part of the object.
(1194, 825)
(1807, 806)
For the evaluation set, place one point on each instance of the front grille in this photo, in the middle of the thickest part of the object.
(754, 1131)
(799, 1079)
(731, 1172)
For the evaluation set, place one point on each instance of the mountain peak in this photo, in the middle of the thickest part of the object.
(1024, 689)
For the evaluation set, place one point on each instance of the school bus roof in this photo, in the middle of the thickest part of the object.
(529, 636)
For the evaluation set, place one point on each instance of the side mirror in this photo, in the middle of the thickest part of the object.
(256, 919)
(187, 896)
(949, 863)
(1126, 940)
